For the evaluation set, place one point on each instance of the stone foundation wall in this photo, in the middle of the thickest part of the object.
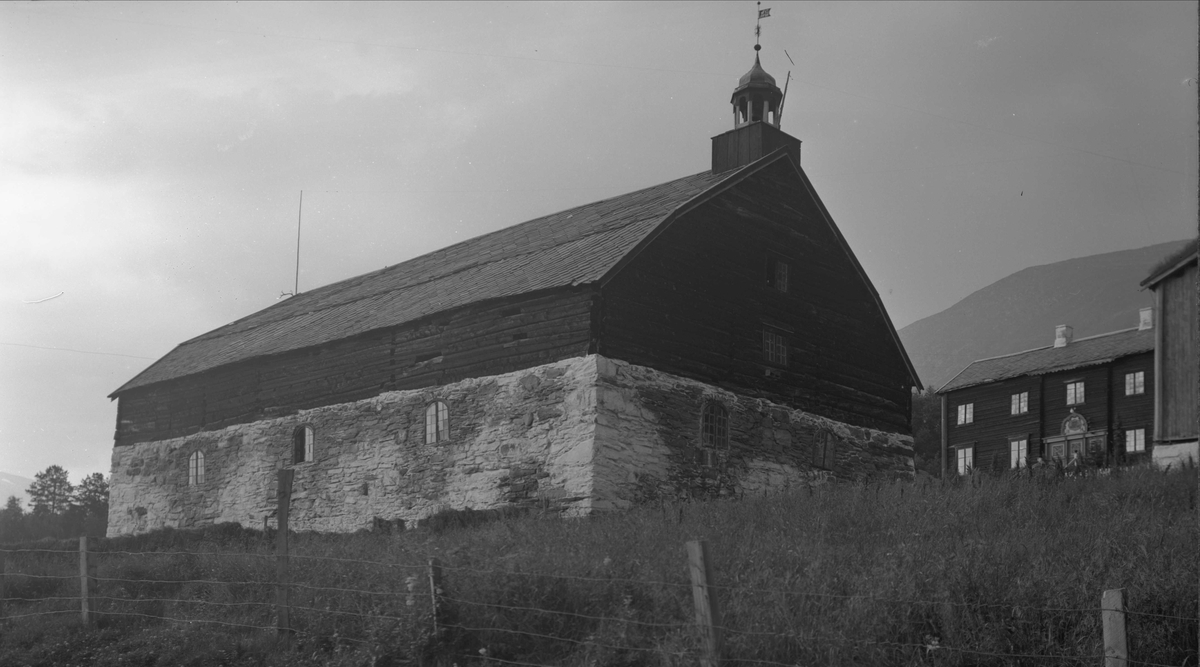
(518, 438)
(582, 434)
(649, 425)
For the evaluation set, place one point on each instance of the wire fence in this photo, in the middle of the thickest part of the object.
(512, 617)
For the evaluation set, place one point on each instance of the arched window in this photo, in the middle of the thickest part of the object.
(303, 441)
(196, 469)
(437, 423)
(714, 433)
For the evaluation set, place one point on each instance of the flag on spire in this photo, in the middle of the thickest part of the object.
(764, 13)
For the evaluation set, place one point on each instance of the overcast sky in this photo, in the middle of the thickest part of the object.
(152, 155)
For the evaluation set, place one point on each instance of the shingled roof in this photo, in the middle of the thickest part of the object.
(1172, 263)
(1082, 352)
(573, 247)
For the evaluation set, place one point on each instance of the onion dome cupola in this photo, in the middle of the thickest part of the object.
(756, 97)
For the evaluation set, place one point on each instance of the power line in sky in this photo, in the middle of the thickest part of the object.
(65, 349)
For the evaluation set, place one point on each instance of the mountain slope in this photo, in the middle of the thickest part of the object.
(1094, 294)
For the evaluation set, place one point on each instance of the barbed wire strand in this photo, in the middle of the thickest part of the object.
(581, 642)
(182, 601)
(642, 582)
(566, 613)
(41, 576)
(872, 598)
(1131, 612)
(10, 617)
(186, 581)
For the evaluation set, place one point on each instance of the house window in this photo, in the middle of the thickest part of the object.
(1074, 393)
(196, 469)
(714, 433)
(1018, 452)
(437, 423)
(777, 275)
(1135, 383)
(303, 440)
(966, 459)
(775, 348)
(1135, 440)
(966, 413)
(824, 451)
(1020, 403)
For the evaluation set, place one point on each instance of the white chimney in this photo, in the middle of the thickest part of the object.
(1145, 319)
(1062, 335)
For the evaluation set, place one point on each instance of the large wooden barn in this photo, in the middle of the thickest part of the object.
(709, 336)
(1177, 375)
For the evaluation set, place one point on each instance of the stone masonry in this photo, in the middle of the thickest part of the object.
(578, 435)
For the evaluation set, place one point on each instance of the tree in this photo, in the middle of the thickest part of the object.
(927, 431)
(51, 492)
(12, 524)
(91, 497)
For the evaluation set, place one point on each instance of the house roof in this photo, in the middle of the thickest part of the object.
(1172, 263)
(582, 245)
(1080, 353)
(571, 247)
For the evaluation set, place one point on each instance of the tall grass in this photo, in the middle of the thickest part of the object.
(981, 571)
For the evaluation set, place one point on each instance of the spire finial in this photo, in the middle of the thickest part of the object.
(762, 14)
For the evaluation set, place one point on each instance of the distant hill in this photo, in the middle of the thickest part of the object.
(1094, 294)
(14, 485)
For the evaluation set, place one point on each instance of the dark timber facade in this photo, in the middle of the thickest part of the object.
(1091, 398)
(734, 279)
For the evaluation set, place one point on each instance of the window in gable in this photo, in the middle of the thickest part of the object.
(1135, 383)
(303, 441)
(778, 274)
(196, 469)
(1075, 393)
(437, 423)
(966, 413)
(775, 347)
(1020, 403)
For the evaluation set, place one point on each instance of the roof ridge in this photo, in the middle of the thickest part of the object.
(226, 330)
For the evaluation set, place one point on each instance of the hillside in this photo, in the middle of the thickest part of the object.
(1094, 294)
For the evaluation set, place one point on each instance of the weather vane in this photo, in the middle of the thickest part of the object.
(762, 14)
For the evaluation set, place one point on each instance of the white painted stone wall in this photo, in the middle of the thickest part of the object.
(517, 438)
(582, 434)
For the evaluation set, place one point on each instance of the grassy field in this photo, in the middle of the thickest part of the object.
(985, 571)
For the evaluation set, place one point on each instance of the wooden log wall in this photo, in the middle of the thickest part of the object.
(994, 424)
(695, 302)
(484, 339)
(1135, 411)
(1177, 344)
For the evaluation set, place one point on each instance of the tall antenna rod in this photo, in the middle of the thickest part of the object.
(299, 218)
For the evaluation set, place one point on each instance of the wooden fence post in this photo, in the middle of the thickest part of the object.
(435, 594)
(283, 603)
(708, 614)
(1112, 610)
(3, 576)
(84, 597)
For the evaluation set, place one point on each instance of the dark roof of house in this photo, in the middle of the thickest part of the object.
(1080, 353)
(578, 246)
(1171, 263)
(572, 247)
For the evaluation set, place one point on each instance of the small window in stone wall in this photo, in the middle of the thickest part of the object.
(303, 443)
(437, 423)
(714, 433)
(824, 450)
(196, 469)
